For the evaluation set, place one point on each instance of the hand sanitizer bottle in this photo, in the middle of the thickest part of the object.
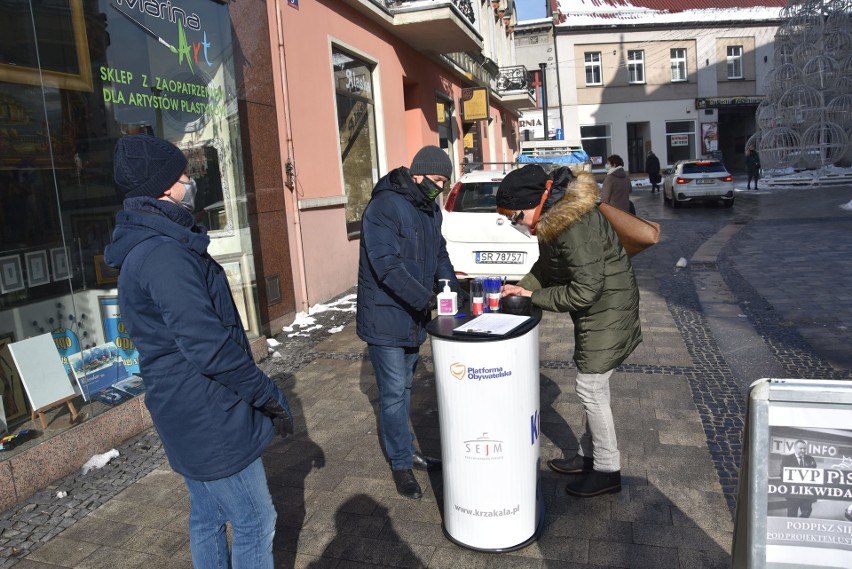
(448, 303)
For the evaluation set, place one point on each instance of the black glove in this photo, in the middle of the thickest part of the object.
(282, 417)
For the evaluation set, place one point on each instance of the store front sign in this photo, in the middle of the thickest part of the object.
(721, 102)
(474, 104)
(679, 139)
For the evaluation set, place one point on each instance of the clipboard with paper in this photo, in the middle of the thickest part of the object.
(492, 324)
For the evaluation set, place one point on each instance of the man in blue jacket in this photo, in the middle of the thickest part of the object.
(214, 409)
(403, 254)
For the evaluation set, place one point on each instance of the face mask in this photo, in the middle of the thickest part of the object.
(190, 189)
(430, 188)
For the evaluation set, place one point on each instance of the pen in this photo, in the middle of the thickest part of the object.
(460, 315)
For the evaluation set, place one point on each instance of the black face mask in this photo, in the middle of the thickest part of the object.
(429, 188)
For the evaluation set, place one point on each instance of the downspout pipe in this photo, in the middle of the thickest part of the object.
(290, 179)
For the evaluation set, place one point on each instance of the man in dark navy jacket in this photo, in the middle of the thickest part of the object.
(214, 409)
(403, 254)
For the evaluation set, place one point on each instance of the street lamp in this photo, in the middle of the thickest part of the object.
(555, 20)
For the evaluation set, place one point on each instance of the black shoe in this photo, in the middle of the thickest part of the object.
(421, 462)
(595, 483)
(406, 484)
(575, 465)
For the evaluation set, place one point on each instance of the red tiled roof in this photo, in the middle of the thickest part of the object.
(681, 5)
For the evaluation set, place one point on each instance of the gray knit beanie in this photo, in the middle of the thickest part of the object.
(431, 160)
(145, 165)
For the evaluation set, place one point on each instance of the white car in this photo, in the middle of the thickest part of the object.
(480, 241)
(698, 180)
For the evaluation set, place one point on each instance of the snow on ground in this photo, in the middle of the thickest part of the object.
(306, 323)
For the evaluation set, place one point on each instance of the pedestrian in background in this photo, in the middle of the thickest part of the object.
(616, 186)
(582, 269)
(214, 409)
(652, 167)
(402, 256)
(752, 166)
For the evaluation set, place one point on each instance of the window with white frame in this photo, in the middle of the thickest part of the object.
(593, 68)
(636, 65)
(678, 59)
(597, 142)
(735, 62)
(356, 123)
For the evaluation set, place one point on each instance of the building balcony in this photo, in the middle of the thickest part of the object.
(429, 26)
(514, 89)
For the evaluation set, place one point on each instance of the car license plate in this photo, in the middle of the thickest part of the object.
(705, 181)
(501, 257)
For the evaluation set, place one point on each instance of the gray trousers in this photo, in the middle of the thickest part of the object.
(598, 440)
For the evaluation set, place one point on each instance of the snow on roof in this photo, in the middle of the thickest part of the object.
(591, 13)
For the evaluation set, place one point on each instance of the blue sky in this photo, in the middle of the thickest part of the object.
(531, 9)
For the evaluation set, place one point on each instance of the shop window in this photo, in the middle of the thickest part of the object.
(636, 65)
(680, 141)
(75, 76)
(678, 63)
(593, 68)
(735, 62)
(597, 142)
(356, 123)
(446, 137)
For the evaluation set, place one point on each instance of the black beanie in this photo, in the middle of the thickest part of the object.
(431, 160)
(522, 188)
(145, 165)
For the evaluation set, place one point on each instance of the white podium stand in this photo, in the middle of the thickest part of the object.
(488, 401)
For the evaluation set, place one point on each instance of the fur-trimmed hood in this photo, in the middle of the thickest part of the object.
(580, 198)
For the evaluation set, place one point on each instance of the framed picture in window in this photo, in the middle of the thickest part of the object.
(59, 263)
(38, 271)
(11, 274)
(103, 272)
(11, 389)
(67, 66)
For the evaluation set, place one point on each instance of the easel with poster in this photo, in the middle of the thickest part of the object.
(794, 506)
(43, 375)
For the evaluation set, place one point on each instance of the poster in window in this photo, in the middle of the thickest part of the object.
(115, 332)
(97, 368)
(709, 137)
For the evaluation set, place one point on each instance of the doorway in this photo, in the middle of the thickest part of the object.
(637, 134)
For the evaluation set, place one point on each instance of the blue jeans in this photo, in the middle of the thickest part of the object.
(394, 368)
(242, 499)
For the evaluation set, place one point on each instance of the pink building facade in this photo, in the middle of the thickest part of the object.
(359, 93)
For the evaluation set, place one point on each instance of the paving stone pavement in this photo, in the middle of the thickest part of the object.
(677, 401)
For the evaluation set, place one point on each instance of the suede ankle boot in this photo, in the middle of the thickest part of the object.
(595, 483)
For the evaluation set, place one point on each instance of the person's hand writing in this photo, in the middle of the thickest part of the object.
(514, 290)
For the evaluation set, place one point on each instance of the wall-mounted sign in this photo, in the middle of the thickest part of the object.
(719, 102)
(474, 104)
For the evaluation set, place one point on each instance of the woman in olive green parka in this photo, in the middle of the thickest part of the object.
(583, 269)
